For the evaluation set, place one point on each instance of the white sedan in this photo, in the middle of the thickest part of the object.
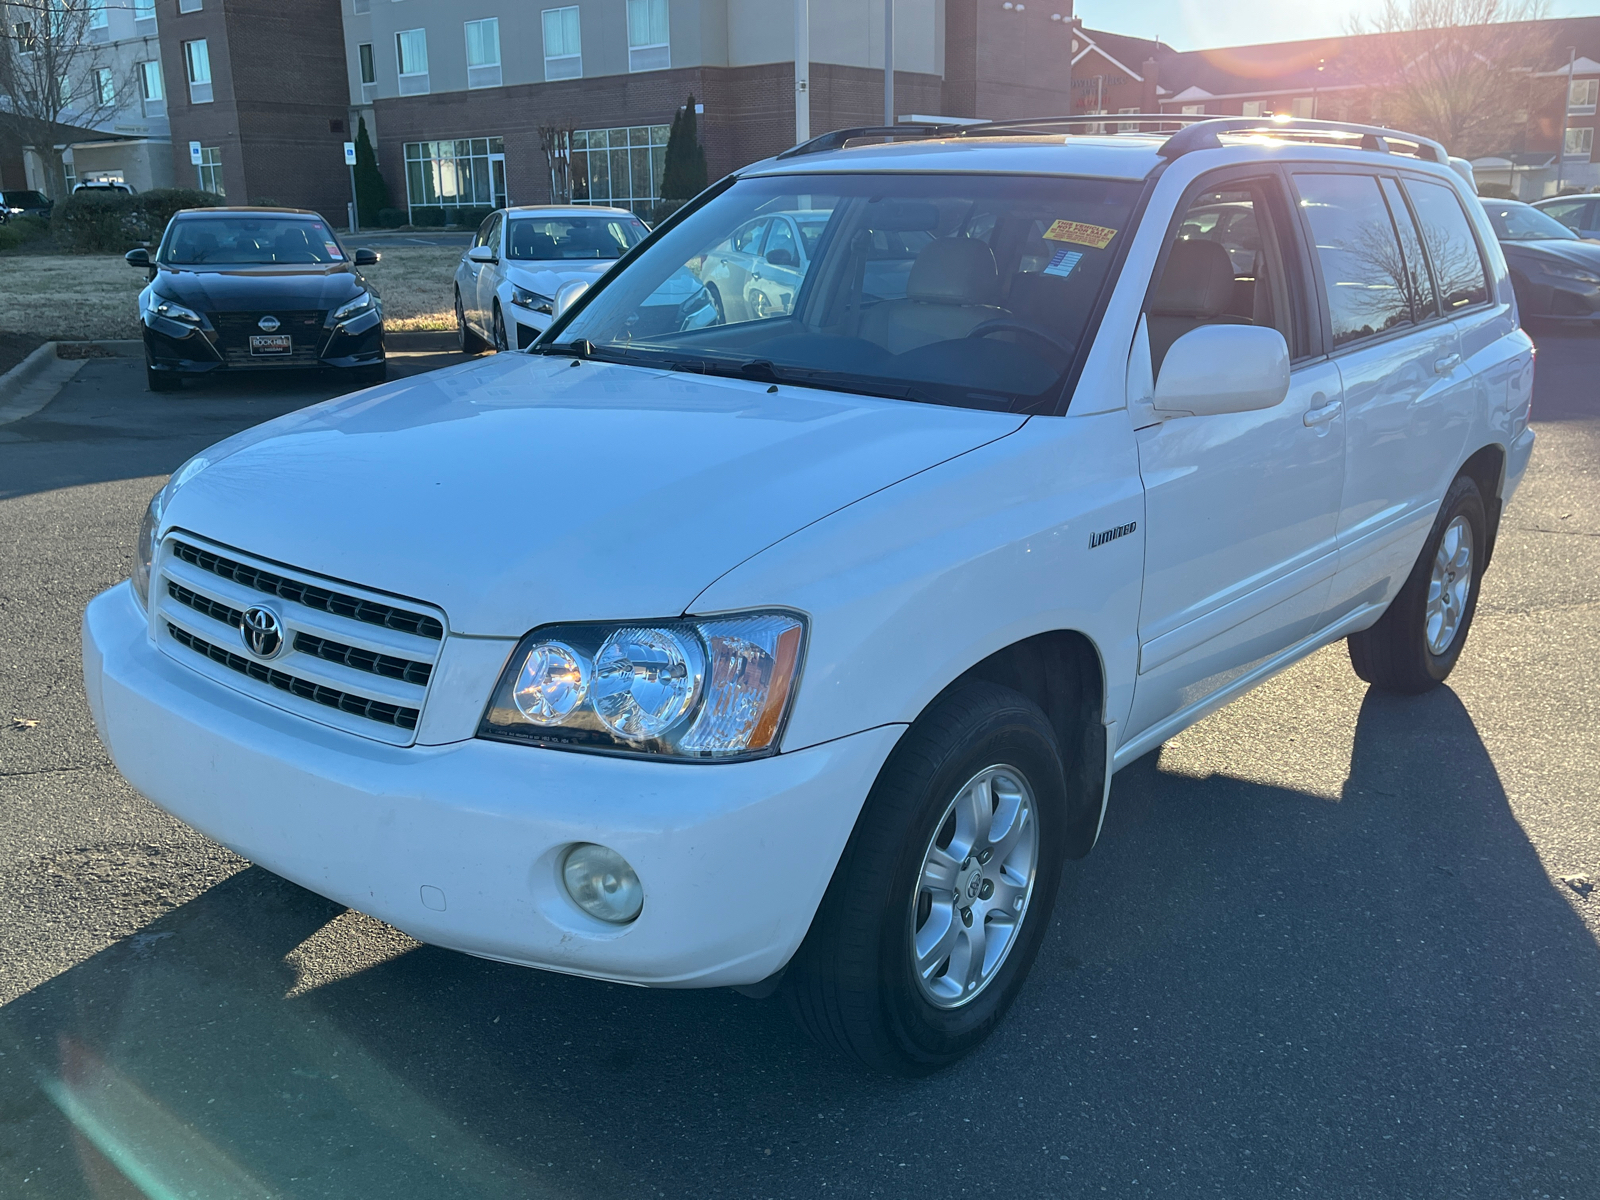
(507, 280)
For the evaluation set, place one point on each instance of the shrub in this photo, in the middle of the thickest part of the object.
(392, 218)
(91, 222)
(1495, 191)
(20, 230)
(470, 217)
(427, 214)
(372, 193)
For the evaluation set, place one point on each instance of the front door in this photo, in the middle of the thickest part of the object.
(1241, 509)
(489, 277)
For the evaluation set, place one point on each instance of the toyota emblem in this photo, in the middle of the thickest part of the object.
(262, 632)
(267, 324)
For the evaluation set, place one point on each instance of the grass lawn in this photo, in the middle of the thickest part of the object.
(96, 295)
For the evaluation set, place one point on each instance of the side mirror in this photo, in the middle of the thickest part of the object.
(367, 258)
(139, 258)
(782, 256)
(567, 295)
(1223, 369)
(482, 254)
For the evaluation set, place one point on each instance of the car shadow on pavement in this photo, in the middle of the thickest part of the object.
(1248, 991)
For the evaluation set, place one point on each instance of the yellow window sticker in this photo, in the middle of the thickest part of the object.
(1077, 232)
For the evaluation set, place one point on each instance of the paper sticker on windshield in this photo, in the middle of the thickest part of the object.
(332, 249)
(1097, 236)
(1062, 262)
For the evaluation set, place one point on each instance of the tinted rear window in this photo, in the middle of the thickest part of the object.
(1457, 264)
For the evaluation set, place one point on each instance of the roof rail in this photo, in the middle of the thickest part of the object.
(1204, 135)
(837, 139)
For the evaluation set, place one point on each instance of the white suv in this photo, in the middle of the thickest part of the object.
(797, 649)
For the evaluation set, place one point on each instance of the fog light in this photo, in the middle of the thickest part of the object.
(601, 882)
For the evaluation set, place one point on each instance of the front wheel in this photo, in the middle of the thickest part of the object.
(944, 892)
(1416, 643)
(499, 329)
(466, 340)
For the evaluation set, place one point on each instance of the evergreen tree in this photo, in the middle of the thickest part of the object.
(372, 193)
(683, 174)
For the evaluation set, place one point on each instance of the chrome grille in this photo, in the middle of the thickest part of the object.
(356, 660)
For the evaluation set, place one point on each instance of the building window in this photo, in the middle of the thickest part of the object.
(411, 56)
(1579, 144)
(211, 170)
(1301, 106)
(197, 61)
(483, 53)
(360, 7)
(468, 173)
(23, 32)
(1581, 95)
(151, 89)
(97, 14)
(144, 10)
(1194, 110)
(1127, 126)
(620, 167)
(1252, 108)
(189, 6)
(647, 36)
(369, 72)
(105, 87)
(563, 43)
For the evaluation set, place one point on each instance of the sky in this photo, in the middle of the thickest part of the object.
(1200, 24)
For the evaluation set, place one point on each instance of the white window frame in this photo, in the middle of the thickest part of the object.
(1582, 94)
(189, 6)
(482, 74)
(1254, 108)
(1192, 110)
(569, 63)
(1303, 108)
(105, 86)
(360, 7)
(144, 10)
(154, 101)
(652, 55)
(412, 83)
(97, 14)
(198, 71)
(1579, 142)
(209, 172)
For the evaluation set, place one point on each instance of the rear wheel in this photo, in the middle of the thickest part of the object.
(944, 893)
(468, 341)
(1416, 643)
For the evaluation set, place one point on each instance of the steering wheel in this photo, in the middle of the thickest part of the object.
(1011, 325)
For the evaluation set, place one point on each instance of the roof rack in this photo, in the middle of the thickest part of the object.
(1189, 132)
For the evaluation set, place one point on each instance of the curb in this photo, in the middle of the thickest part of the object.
(419, 341)
(35, 381)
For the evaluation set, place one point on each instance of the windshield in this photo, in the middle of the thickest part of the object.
(552, 238)
(972, 291)
(26, 200)
(1524, 223)
(249, 240)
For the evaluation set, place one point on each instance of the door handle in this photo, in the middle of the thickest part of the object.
(1443, 366)
(1322, 414)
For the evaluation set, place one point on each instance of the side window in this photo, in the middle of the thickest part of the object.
(1363, 271)
(1228, 265)
(1452, 248)
(748, 239)
(1419, 283)
(1568, 212)
(481, 238)
(492, 240)
(781, 249)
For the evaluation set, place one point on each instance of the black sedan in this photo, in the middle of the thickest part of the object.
(23, 202)
(256, 289)
(1555, 273)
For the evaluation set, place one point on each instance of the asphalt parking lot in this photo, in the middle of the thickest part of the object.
(1331, 944)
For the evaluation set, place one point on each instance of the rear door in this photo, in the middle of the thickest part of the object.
(1241, 509)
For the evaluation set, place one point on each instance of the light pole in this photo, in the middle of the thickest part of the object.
(888, 62)
(802, 71)
(1566, 103)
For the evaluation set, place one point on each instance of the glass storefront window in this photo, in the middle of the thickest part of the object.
(465, 173)
(619, 167)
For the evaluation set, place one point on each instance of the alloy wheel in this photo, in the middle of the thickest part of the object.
(1449, 586)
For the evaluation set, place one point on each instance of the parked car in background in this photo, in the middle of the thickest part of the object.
(111, 187)
(24, 202)
(256, 289)
(507, 280)
(1581, 214)
(797, 650)
(1555, 272)
(756, 272)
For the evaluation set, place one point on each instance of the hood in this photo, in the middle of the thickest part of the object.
(320, 285)
(546, 277)
(1583, 254)
(523, 489)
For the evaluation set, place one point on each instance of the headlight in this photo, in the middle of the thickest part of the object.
(144, 550)
(704, 689)
(162, 307)
(1564, 272)
(524, 298)
(362, 303)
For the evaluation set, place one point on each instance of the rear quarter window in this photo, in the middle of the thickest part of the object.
(1452, 248)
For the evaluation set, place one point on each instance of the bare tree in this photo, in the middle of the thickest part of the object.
(556, 142)
(56, 81)
(1456, 70)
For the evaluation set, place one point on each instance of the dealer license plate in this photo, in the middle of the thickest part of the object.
(270, 343)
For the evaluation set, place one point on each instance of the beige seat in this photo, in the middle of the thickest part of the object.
(951, 290)
(1196, 289)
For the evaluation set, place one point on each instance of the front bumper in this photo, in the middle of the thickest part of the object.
(184, 349)
(460, 844)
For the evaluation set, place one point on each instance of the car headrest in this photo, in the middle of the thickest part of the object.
(527, 242)
(1198, 281)
(954, 271)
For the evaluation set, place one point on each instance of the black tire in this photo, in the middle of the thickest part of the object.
(1395, 654)
(468, 341)
(499, 329)
(852, 984)
(161, 381)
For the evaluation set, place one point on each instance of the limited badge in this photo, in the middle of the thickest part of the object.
(1097, 236)
(1062, 262)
